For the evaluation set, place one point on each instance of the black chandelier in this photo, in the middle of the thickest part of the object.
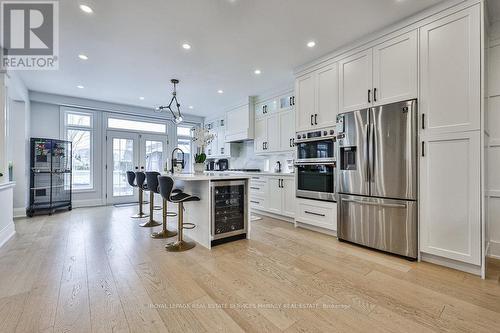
(177, 117)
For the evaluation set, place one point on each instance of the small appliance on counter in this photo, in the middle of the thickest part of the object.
(223, 164)
(211, 165)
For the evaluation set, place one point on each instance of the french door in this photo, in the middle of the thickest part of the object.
(127, 151)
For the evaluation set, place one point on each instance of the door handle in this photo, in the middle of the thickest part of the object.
(423, 120)
(372, 151)
(369, 203)
(313, 213)
(312, 124)
(374, 94)
(316, 119)
(423, 148)
(290, 143)
(367, 153)
(291, 100)
(369, 95)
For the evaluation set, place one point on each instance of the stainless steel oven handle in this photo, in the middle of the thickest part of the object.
(369, 203)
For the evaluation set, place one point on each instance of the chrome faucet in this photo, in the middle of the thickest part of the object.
(176, 161)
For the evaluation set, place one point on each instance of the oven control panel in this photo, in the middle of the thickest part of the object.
(327, 133)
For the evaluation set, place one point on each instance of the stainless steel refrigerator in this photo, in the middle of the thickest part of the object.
(377, 177)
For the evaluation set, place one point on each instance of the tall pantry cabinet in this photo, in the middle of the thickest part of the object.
(450, 137)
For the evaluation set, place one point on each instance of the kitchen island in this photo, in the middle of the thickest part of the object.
(223, 213)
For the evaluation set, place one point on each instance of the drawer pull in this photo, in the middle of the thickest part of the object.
(312, 213)
(255, 188)
(255, 202)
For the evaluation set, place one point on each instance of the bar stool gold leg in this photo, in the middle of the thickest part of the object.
(181, 245)
(151, 222)
(141, 202)
(165, 233)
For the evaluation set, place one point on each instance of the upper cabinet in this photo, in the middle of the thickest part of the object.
(275, 125)
(240, 123)
(383, 74)
(218, 147)
(356, 81)
(317, 98)
(450, 73)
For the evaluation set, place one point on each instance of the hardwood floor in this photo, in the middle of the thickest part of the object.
(96, 270)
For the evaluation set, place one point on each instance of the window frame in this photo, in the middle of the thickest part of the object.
(65, 127)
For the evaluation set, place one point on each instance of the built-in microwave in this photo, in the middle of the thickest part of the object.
(317, 146)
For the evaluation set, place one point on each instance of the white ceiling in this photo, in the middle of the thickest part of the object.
(134, 47)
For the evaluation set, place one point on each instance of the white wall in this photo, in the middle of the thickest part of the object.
(45, 123)
(493, 127)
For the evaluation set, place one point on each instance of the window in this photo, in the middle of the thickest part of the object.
(185, 142)
(79, 130)
(133, 125)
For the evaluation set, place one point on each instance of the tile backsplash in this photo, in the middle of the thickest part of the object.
(243, 157)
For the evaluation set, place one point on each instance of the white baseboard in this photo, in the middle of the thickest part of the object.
(87, 203)
(19, 212)
(6, 233)
(493, 250)
(450, 263)
(315, 228)
(272, 215)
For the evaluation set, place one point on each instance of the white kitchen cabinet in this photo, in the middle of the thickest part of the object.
(273, 134)
(386, 73)
(395, 69)
(450, 73)
(260, 135)
(211, 149)
(240, 123)
(286, 102)
(306, 101)
(287, 130)
(317, 98)
(218, 148)
(450, 196)
(275, 195)
(355, 86)
(321, 214)
(288, 196)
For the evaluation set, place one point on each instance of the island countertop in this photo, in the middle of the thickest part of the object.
(208, 176)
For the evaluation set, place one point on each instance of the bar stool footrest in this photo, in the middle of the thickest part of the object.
(188, 226)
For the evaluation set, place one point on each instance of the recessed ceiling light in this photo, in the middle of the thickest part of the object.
(80, 86)
(220, 91)
(141, 98)
(83, 57)
(257, 71)
(311, 44)
(186, 46)
(191, 107)
(86, 9)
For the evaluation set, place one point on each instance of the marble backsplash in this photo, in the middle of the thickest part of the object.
(243, 157)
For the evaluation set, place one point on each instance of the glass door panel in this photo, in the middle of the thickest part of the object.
(153, 148)
(122, 156)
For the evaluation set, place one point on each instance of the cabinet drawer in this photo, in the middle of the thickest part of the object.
(258, 189)
(317, 213)
(257, 203)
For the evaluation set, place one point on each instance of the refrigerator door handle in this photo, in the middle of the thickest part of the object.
(371, 152)
(369, 203)
(367, 153)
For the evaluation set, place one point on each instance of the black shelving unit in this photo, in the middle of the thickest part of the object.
(50, 176)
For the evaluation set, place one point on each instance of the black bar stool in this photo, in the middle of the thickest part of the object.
(139, 178)
(151, 186)
(166, 191)
(182, 245)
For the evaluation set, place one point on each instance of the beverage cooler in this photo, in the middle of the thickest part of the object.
(50, 176)
(229, 211)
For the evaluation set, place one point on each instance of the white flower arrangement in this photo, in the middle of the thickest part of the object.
(202, 137)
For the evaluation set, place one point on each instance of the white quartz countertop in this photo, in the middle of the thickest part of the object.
(209, 176)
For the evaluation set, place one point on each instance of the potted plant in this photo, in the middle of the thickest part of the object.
(201, 138)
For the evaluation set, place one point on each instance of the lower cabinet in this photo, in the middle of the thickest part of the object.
(273, 194)
(321, 214)
(450, 196)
